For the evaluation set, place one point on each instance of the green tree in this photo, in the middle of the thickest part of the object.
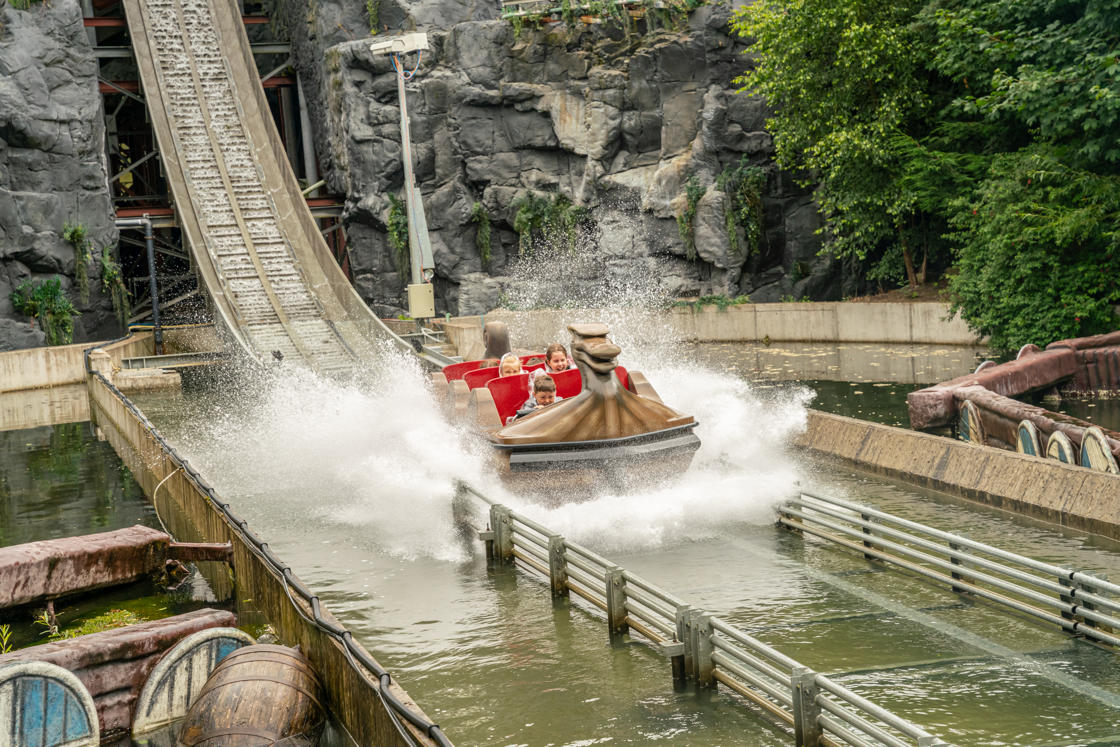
(990, 128)
(846, 78)
(1035, 236)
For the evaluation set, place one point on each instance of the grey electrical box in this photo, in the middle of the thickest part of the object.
(421, 300)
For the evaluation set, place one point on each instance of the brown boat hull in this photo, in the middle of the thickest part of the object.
(619, 464)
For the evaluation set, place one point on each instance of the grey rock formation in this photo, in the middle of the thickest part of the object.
(616, 122)
(52, 169)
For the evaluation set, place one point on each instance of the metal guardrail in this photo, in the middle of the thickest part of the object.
(527, 8)
(1076, 601)
(700, 646)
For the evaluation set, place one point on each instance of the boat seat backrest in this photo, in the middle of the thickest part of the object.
(479, 377)
(568, 383)
(509, 392)
(456, 371)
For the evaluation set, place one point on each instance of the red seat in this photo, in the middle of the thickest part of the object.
(568, 383)
(478, 378)
(509, 393)
(456, 371)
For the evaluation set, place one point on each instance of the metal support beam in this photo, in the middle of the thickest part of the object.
(134, 165)
(120, 90)
(310, 164)
(276, 70)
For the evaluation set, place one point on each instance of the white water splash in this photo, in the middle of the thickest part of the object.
(377, 461)
(740, 473)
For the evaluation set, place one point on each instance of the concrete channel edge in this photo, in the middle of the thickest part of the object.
(188, 506)
(1042, 488)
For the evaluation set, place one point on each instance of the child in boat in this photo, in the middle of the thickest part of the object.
(556, 359)
(543, 394)
(510, 365)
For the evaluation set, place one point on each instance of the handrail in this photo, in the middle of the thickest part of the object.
(1074, 600)
(702, 647)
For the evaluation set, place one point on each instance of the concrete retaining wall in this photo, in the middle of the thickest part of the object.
(911, 323)
(34, 368)
(926, 323)
(1049, 490)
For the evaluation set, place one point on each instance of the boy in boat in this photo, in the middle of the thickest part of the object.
(556, 359)
(543, 394)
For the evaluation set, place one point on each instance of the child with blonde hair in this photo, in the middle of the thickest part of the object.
(510, 365)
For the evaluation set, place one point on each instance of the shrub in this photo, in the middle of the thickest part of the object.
(46, 302)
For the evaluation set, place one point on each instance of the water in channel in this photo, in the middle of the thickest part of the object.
(362, 508)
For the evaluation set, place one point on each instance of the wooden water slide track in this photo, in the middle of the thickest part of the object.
(259, 253)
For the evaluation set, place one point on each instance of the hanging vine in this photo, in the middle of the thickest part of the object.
(551, 221)
(686, 221)
(742, 208)
(112, 282)
(481, 218)
(398, 233)
(77, 236)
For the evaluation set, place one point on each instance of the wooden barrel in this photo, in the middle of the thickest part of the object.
(258, 695)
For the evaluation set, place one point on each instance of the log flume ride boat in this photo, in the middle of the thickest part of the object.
(608, 427)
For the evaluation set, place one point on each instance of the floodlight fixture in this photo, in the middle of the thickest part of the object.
(403, 44)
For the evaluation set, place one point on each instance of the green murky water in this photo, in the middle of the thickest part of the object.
(496, 661)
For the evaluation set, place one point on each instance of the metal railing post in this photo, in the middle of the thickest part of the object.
(1088, 588)
(867, 530)
(616, 601)
(684, 635)
(501, 523)
(702, 649)
(557, 565)
(1067, 613)
(955, 560)
(807, 730)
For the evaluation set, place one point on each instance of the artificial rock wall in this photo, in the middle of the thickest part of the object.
(617, 123)
(52, 164)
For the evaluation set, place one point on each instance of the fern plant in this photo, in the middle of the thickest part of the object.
(46, 302)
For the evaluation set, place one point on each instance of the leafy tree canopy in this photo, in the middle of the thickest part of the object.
(990, 130)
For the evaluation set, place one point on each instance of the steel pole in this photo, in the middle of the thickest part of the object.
(419, 246)
(149, 241)
(157, 330)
